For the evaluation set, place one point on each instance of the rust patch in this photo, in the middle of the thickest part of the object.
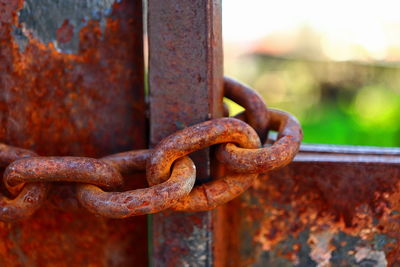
(317, 212)
(65, 32)
(67, 94)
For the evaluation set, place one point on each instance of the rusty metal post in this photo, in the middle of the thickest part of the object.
(185, 80)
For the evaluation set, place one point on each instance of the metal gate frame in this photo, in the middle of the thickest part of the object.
(72, 77)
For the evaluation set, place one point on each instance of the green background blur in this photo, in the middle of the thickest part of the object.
(336, 102)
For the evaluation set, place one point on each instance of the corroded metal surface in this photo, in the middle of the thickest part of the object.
(59, 22)
(185, 82)
(71, 87)
(333, 205)
(69, 93)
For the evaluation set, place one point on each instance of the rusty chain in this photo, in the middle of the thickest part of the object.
(170, 172)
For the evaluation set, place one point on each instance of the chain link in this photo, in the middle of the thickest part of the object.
(170, 172)
(256, 112)
(140, 201)
(279, 154)
(197, 137)
(30, 198)
(61, 169)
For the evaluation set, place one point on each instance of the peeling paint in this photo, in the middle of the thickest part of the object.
(59, 21)
(194, 247)
(199, 258)
(366, 256)
(20, 38)
(321, 247)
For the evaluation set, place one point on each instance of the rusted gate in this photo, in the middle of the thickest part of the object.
(72, 84)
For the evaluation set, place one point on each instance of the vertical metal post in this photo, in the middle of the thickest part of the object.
(185, 80)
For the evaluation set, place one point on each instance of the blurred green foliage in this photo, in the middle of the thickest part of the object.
(336, 102)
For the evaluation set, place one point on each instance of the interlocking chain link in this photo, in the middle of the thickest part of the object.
(269, 157)
(170, 172)
(31, 196)
(197, 137)
(141, 201)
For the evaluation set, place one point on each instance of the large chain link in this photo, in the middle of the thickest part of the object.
(170, 172)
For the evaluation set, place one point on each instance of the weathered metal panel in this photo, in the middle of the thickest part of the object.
(333, 206)
(71, 75)
(185, 80)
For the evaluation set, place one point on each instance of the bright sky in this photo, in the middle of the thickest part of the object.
(342, 24)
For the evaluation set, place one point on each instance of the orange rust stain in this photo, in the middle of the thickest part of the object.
(288, 202)
(102, 74)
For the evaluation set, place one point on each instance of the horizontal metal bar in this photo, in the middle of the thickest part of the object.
(348, 154)
(312, 157)
(346, 149)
